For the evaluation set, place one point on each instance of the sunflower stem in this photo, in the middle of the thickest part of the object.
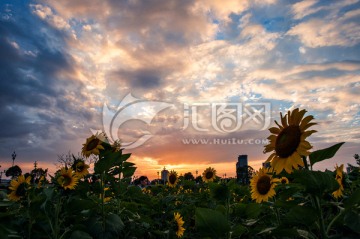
(228, 211)
(322, 224)
(56, 222)
(305, 162)
(334, 220)
(120, 170)
(29, 217)
(277, 214)
(102, 202)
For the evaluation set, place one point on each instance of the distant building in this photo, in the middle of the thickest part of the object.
(164, 174)
(242, 169)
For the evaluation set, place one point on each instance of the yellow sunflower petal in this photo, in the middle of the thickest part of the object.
(302, 151)
(277, 165)
(268, 148)
(305, 144)
(293, 116)
(272, 138)
(297, 159)
(270, 157)
(283, 120)
(280, 126)
(307, 134)
(299, 117)
(307, 126)
(305, 121)
(274, 130)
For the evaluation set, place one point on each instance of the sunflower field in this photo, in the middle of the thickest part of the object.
(288, 199)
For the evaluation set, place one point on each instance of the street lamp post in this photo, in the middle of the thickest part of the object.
(1, 173)
(13, 158)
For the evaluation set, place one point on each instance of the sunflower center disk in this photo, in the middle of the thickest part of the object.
(263, 185)
(288, 141)
(172, 178)
(66, 180)
(21, 190)
(209, 175)
(79, 167)
(92, 144)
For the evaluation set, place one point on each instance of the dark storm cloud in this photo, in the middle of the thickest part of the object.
(37, 94)
(14, 123)
(146, 79)
(27, 78)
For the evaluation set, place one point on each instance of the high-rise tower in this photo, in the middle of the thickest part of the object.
(242, 169)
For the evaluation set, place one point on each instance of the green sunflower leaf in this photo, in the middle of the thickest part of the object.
(238, 230)
(124, 157)
(128, 169)
(352, 220)
(211, 223)
(114, 223)
(316, 182)
(353, 200)
(322, 154)
(301, 215)
(80, 235)
(106, 161)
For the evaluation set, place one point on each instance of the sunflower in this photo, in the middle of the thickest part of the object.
(146, 191)
(92, 146)
(179, 224)
(80, 168)
(41, 181)
(106, 199)
(339, 172)
(116, 145)
(209, 175)
(172, 178)
(288, 141)
(284, 180)
(67, 179)
(18, 187)
(262, 186)
(339, 177)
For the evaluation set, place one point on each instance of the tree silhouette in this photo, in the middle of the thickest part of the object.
(13, 171)
(357, 158)
(352, 167)
(67, 160)
(189, 176)
(37, 173)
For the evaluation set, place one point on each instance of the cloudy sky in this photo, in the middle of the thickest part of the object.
(68, 67)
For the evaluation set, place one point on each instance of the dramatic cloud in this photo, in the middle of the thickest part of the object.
(61, 61)
(336, 28)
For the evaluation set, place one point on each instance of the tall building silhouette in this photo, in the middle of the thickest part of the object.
(164, 174)
(242, 169)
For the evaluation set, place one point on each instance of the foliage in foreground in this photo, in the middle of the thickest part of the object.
(287, 200)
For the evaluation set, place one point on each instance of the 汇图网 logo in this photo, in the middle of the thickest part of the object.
(224, 117)
(228, 117)
(130, 108)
